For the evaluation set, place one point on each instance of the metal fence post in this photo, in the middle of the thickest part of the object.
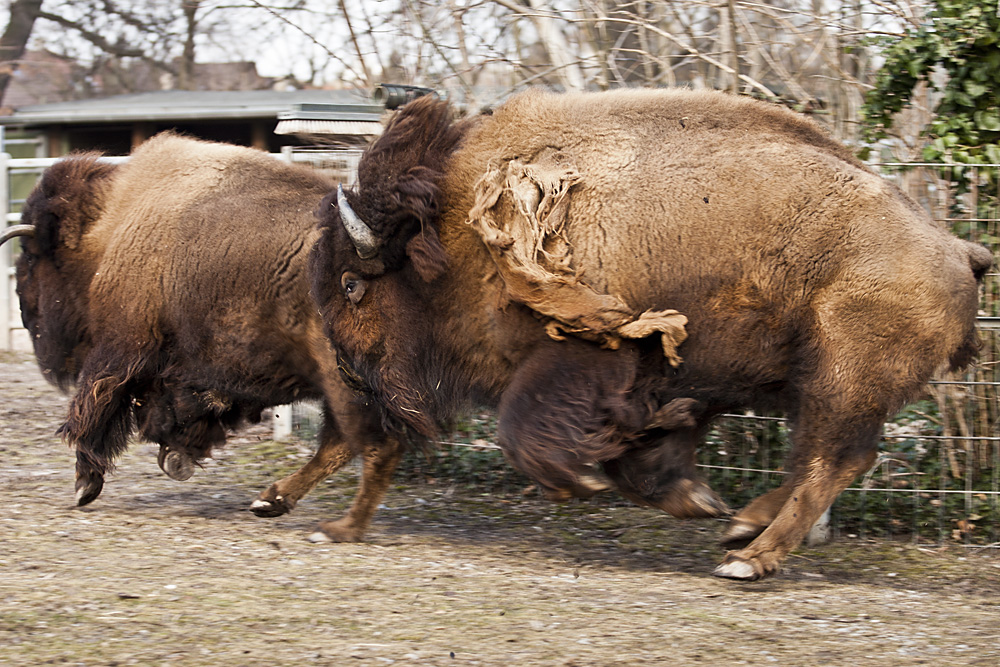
(6, 257)
(820, 532)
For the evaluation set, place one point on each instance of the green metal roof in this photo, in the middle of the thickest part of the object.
(172, 105)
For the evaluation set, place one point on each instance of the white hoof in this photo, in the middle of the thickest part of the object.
(594, 483)
(319, 537)
(737, 569)
(259, 504)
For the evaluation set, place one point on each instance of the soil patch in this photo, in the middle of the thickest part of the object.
(163, 572)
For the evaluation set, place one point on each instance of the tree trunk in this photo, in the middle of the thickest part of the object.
(15, 38)
(185, 73)
(564, 61)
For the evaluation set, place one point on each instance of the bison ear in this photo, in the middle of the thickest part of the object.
(427, 254)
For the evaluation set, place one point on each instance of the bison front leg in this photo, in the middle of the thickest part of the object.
(567, 409)
(334, 453)
(381, 455)
(827, 454)
(99, 422)
(662, 474)
(380, 462)
(282, 496)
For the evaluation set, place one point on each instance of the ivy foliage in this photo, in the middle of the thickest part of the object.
(961, 39)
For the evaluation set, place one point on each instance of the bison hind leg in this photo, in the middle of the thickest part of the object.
(176, 464)
(754, 519)
(185, 446)
(186, 426)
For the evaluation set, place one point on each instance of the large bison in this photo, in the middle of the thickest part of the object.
(613, 270)
(172, 291)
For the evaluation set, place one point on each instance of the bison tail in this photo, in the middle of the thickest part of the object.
(980, 261)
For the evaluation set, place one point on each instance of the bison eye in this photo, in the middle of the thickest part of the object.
(354, 286)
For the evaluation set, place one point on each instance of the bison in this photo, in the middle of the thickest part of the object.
(172, 291)
(614, 270)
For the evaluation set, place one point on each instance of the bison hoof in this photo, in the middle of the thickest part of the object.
(703, 502)
(319, 537)
(88, 488)
(176, 464)
(737, 569)
(748, 566)
(270, 503)
(336, 531)
(267, 508)
(589, 482)
(740, 533)
(691, 499)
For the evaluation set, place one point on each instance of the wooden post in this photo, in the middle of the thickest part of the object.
(140, 132)
(281, 421)
(259, 132)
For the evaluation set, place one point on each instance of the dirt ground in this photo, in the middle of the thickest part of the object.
(180, 573)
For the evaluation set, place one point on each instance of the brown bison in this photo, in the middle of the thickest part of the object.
(614, 270)
(172, 291)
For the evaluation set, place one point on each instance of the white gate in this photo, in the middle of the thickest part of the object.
(12, 334)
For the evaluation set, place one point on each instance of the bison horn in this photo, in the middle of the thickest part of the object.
(361, 234)
(16, 230)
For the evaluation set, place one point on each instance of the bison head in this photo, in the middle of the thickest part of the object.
(54, 269)
(376, 267)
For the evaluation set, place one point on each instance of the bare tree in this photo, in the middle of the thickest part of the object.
(809, 54)
(814, 55)
(14, 40)
(143, 44)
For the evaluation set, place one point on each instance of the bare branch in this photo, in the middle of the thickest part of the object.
(309, 36)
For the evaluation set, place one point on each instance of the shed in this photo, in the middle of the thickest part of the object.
(115, 125)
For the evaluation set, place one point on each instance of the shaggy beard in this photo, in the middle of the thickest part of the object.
(408, 402)
(403, 399)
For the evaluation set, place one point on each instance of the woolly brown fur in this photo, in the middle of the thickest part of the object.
(810, 284)
(171, 291)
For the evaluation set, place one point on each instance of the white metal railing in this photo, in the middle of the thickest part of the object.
(12, 334)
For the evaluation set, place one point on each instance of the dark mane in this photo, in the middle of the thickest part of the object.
(65, 201)
(400, 174)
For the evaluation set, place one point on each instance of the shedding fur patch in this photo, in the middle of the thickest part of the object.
(521, 212)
